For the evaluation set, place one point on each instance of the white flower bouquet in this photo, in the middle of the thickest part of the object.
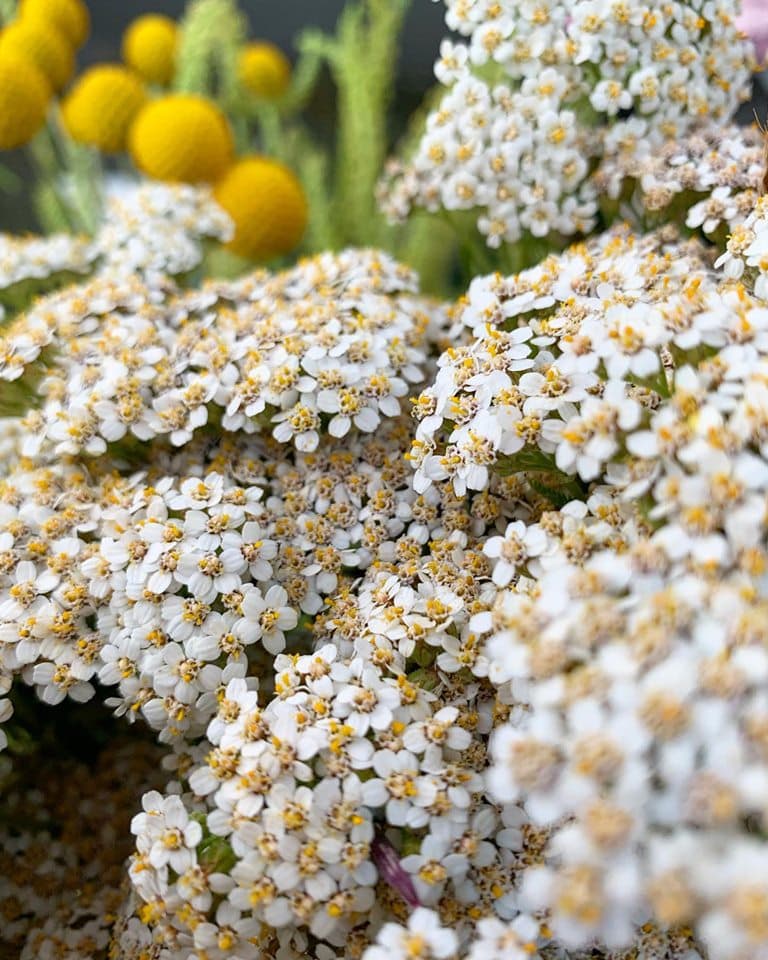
(346, 622)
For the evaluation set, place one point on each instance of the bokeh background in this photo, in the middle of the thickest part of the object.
(280, 21)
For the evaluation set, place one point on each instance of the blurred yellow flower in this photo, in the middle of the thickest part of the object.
(183, 138)
(71, 17)
(267, 204)
(24, 96)
(149, 46)
(264, 70)
(44, 45)
(101, 106)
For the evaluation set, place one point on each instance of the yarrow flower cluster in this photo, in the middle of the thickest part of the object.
(517, 157)
(33, 258)
(147, 228)
(125, 360)
(428, 631)
(710, 179)
(495, 689)
(539, 92)
(568, 357)
(626, 622)
(157, 228)
(746, 255)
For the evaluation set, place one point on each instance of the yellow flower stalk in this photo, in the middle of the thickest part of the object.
(267, 204)
(182, 138)
(71, 17)
(149, 47)
(44, 45)
(24, 96)
(264, 70)
(101, 106)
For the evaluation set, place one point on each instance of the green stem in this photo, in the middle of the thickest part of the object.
(10, 182)
(81, 166)
(303, 83)
(7, 11)
(271, 132)
(67, 194)
(50, 207)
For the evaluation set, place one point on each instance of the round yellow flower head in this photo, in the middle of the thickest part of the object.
(101, 106)
(70, 17)
(149, 46)
(264, 70)
(267, 204)
(24, 96)
(182, 137)
(44, 46)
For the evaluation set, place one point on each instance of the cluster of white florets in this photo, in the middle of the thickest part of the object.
(157, 228)
(710, 179)
(34, 258)
(746, 255)
(568, 359)
(291, 792)
(518, 156)
(485, 682)
(627, 623)
(161, 586)
(541, 91)
(151, 229)
(641, 748)
(124, 360)
(498, 687)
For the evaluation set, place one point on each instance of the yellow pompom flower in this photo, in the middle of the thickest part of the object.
(69, 17)
(24, 96)
(149, 46)
(264, 70)
(45, 46)
(101, 106)
(267, 204)
(183, 138)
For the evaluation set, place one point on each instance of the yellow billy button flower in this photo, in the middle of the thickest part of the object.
(264, 70)
(44, 46)
(102, 105)
(70, 17)
(267, 204)
(24, 96)
(149, 47)
(182, 138)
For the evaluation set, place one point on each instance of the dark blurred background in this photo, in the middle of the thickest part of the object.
(279, 21)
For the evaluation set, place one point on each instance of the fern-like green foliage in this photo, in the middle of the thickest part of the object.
(362, 58)
(212, 33)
